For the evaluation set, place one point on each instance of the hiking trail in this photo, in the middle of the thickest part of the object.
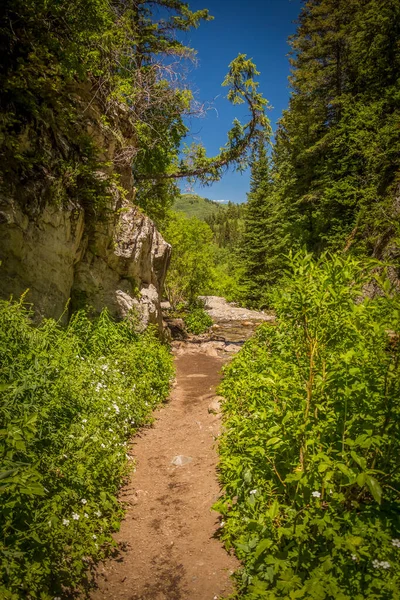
(169, 538)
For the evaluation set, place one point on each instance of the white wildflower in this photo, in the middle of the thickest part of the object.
(396, 543)
(84, 501)
(102, 445)
(75, 516)
(316, 494)
(84, 420)
(116, 407)
(65, 522)
(380, 564)
(94, 537)
(86, 516)
(253, 492)
(353, 557)
(97, 513)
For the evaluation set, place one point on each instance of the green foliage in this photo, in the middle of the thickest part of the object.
(71, 400)
(337, 151)
(193, 205)
(190, 271)
(242, 88)
(310, 454)
(262, 241)
(76, 73)
(227, 274)
(227, 225)
(197, 320)
(333, 182)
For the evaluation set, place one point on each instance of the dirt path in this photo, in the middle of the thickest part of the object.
(168, 535)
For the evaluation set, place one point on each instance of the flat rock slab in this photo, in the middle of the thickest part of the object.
(171, 550)
(221, 310)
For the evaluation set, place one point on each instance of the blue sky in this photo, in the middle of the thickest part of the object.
(258, 28)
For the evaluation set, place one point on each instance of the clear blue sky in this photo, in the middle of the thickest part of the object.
(258, 28)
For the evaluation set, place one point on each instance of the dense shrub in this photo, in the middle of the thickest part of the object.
(310, 454)
(71, 399)
(197, 320)
(190, 272)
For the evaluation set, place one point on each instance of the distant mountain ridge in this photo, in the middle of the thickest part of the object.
(193, 205)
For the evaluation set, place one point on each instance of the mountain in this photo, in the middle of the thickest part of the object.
(193, 205)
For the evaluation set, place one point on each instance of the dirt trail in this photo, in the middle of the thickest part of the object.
(168, 533)
(169, 542)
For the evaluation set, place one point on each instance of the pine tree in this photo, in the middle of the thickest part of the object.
(262, 244)
(338, 144)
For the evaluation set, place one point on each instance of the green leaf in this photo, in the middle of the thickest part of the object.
(359, 460)
(374, 487)
(361, 479)
(273, 441)
(262, 546)
(273, 509)
(345, 470)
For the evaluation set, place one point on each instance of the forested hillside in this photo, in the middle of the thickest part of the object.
(193, 205)
(332, 180)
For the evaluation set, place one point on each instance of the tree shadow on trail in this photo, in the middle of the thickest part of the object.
(167, 584)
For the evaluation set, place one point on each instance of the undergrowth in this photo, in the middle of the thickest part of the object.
(197, 320)
(71, 399)
(310, 454)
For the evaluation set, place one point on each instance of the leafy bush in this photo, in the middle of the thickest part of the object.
(197, 321)
(190, 272)
(310, 454)
(71, 399)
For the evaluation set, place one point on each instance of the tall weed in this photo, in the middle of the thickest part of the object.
(310, 454)
(71, 399)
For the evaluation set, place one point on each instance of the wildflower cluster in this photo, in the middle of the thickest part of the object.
(72, 398)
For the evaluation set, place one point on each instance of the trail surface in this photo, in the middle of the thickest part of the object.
(169, 542)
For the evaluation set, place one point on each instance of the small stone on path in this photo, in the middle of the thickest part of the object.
(215, 406)
(181, 461)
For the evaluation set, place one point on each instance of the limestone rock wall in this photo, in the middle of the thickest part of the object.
(117, 259)
(119, 262)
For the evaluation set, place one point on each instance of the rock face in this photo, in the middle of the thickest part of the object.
(120, 262)
(111, 257)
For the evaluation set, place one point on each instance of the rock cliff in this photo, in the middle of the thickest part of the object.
(120, 262)
(113, 257)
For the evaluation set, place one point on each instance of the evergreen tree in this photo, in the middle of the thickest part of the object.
(338, 144)
(261, 244)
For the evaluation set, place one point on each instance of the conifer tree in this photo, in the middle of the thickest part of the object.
(262, 243)
(337, 146)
